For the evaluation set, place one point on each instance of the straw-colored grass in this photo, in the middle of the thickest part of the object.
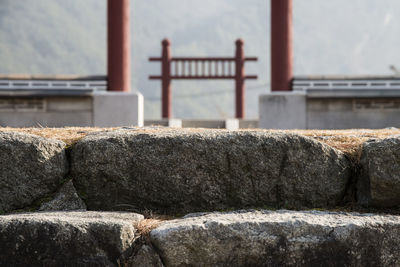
(69, 135)
(145, 226)
(347, 141)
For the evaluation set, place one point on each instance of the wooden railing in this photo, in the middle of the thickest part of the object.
(199, 68)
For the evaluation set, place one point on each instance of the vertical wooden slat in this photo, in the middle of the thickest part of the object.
(166, 79)
(239, 79)
(118, 48)
(281, 45)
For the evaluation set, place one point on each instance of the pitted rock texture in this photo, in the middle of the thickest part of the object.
(282, 238)
(379, 183)
(66, 238)
(31, 167)
(181, 171)
(65, 199)
(145, 257)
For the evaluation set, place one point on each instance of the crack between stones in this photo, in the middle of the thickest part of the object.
(68, 151)
(350, 193)
(142, 240)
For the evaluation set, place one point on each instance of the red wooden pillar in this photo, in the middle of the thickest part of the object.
(118, 50)
(281, 45)
(166, 94)
(239, 80)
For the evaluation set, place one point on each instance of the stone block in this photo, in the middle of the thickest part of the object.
(66, 238)
(379, 182)
(283, 110)
(178, 171)
(231, 124)
(65, 199)
(279, 238)
(112, 109)
(31, 167)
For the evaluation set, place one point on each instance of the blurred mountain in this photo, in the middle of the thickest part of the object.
(69, 37)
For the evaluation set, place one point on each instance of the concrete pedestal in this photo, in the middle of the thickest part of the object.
(283, 110)
(330, 109)
(117, 108)
(229, 124)
(174, 123)
(94, 109)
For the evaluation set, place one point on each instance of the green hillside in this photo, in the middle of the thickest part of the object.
(47, 36)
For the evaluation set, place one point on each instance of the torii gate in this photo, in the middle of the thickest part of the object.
(119, 45)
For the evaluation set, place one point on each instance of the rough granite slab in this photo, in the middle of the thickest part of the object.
(180, 171)
(281, 238)
(66, 238)
(379, 182)
(31, 167)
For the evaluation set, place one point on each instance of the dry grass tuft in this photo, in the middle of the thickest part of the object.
(145, 226)
(68, 135)
(347, 141)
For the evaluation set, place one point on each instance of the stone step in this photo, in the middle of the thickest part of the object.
(66, 238)
(178, 171)
(279, 238)
(239, 238)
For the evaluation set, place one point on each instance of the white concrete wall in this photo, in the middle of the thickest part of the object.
(283, 111)
(117, 109)
(300, 110)
(107, 109)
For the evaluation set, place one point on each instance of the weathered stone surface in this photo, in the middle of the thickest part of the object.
(282, 238)
(201, 170)
(145, 257)
(379, 182)
(31, 167)
(66, 238)
(65, 199)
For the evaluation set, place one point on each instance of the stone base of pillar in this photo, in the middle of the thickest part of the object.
(174, 123)
(283, 110)
(112, 109)
(229, 124)
(97, 109)
(330, 109)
